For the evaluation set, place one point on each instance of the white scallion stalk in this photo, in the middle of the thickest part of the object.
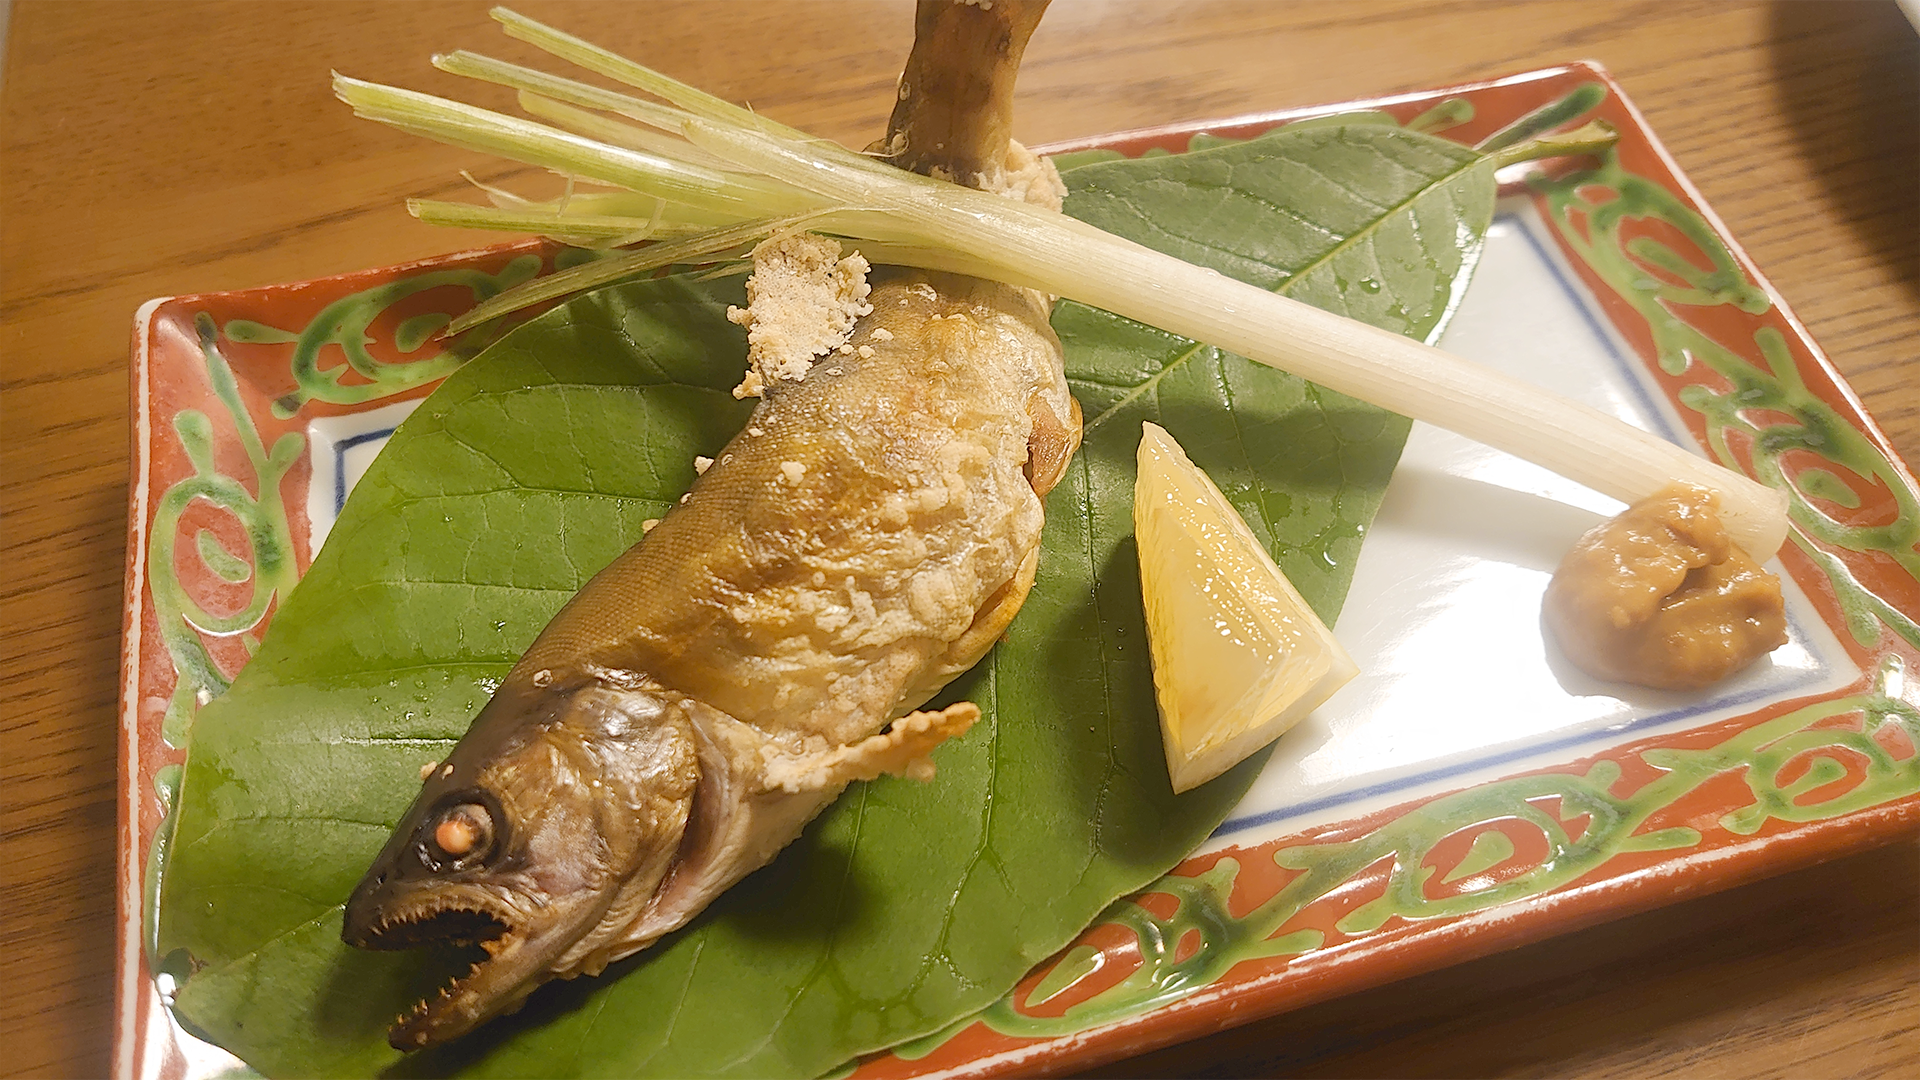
(472, 128)
(649, 213)
(1027, 246)
(773, 177)
(548, 96)
(625, 264)
(697, 102)
(690, 249)
(631, 136)
(534, 81)
(545, 222)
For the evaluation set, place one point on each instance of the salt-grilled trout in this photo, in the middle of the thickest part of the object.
(867, 537)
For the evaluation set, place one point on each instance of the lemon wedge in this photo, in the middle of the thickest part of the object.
(1238, 656)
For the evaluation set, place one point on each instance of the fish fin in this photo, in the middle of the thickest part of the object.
(1052, 443)
(901, 750)
(954, 108)
(989, 623)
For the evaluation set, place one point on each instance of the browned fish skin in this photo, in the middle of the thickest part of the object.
(824, 568)
(865, 538)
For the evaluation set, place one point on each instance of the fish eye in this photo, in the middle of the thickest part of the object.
(458, 836)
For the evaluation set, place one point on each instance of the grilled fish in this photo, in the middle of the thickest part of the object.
(865, 538)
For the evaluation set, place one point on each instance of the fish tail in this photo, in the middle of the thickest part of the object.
(954, 113)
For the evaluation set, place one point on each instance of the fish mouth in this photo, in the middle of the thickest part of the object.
(503, 969)
(435, 924)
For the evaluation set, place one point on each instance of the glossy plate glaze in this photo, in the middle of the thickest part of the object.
(1467, 792)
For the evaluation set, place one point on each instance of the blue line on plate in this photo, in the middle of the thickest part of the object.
(340, 463)
(1631, 372)
(1388, 787)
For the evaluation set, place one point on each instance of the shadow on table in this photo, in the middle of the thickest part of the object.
(1847, 77)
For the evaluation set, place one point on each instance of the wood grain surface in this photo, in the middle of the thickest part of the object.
(160, 148)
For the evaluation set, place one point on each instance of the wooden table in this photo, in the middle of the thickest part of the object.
(158, 148)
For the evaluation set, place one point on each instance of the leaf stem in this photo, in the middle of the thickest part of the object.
(1593, 137)
(1578, 102)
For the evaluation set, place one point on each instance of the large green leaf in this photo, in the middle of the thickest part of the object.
(1365, 219)
(907, 905)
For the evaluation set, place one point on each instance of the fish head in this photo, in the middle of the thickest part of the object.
(538, 839)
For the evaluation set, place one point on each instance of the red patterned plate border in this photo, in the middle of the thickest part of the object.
(1232, 935)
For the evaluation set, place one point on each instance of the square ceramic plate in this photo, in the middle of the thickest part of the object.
(1468, 792)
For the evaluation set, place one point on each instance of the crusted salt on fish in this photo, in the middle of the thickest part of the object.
(802, 302)
(1030, 178)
